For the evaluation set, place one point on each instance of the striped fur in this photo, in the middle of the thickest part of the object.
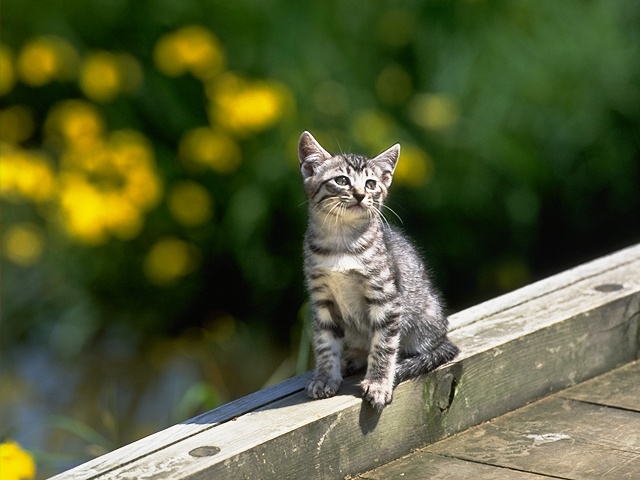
(374, 306)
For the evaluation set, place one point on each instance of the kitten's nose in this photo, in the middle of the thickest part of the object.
(358, 196)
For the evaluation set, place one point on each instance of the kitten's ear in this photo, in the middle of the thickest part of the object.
(310, 154)
(387, 162)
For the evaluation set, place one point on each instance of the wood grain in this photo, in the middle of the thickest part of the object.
(619, 388)
(555, 436)
(425, 465)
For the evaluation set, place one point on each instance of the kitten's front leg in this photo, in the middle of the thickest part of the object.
(377, 385)
(328, 345)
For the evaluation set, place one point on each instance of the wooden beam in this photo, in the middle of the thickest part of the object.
(514, 349)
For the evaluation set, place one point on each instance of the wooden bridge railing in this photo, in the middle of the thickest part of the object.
(514, 349)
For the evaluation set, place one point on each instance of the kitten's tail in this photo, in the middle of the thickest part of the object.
(413, 366)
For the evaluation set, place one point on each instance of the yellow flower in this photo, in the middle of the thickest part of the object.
(23, 245)
(7, 73)
(26, 174)
(91, 214)
(38, 63)
(16, 124)
(206, 148)
(191, 49)
(169, 260)
(15, 463)
(100, 77)
(434, 111)
(82, 209)
(106, 190)
(189, 203)
(414, 168)
(74, 123)
(243, 106)
(122, 218)
(45, 59)
(106, 183)
(105, 75)
(133, 157)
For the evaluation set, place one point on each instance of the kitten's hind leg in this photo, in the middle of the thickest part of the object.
(353, 361)
(424, 362)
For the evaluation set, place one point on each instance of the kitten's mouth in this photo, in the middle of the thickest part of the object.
(356, 206)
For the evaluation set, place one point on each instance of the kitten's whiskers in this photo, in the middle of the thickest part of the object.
(381, 216)
(394, 212)
(332, 211)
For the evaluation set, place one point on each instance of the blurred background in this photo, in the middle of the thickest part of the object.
(152, 208)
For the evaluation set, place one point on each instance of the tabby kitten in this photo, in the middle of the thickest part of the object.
(373, 303)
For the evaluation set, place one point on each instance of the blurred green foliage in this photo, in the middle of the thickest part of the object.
(149, 173)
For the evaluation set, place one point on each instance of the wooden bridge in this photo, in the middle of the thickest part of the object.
(547, 385)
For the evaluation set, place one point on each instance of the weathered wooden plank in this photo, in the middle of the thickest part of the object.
(277, 441)
(509, 357)
(557, 437)
(544, 287)
(540, 362)
(425, 465)
(619, 388)
(147, 446)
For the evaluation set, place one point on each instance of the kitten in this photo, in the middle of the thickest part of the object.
(373, 303)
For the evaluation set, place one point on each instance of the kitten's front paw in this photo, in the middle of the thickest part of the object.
(317, 388)
(377, 394)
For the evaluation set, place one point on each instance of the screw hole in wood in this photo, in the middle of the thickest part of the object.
(609, 287)
(204, 451)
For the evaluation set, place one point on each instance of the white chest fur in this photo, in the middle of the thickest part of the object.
(344, 283)
(341, 263)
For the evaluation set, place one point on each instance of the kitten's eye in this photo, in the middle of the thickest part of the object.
(370, 184)
(342, 181)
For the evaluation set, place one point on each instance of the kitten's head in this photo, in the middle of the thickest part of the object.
(347, 186)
